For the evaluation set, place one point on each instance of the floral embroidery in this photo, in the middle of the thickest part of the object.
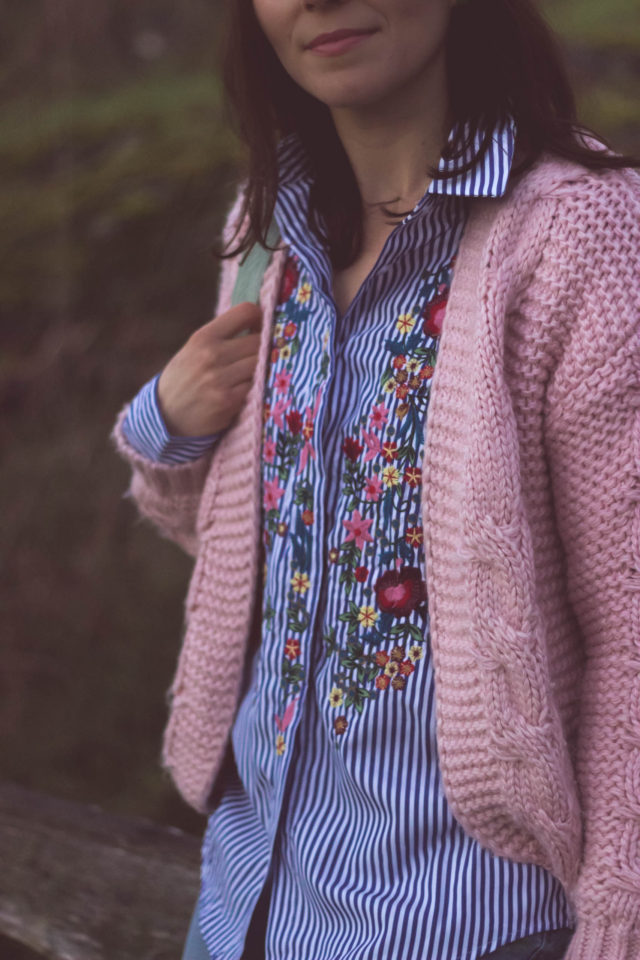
(288, 450)
(375, 552)
(381, 481)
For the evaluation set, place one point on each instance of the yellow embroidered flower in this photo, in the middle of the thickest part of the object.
(413, 365)
(278, 330)
(405, 323)
(415, 653)
(336, 697)
(285, 352)
(304, 293)
(390, 385)
(300, 582)
(367, 616)
(391, 668)
(280, 745)
(390, 476)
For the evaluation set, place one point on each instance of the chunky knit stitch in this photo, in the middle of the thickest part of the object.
(531, 515)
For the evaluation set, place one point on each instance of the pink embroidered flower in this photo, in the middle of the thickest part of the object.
(269, 450)
(282, 381)
(351, 448)
(358, 528)
(433, 315)
(278, 410)
(372, 488)
(378, 416)
(272, 494)
(294, 422)
(400, 591)
(373, 445)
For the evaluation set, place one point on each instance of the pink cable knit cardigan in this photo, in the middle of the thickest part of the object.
(531, 513)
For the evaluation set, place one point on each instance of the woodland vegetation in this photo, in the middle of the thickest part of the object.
(117, 168)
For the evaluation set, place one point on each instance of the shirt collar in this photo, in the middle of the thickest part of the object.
(487, 178)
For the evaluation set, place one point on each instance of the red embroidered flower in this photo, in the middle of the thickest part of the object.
(389, 450)
(292, 648)
(290, 329)
(413, 476)
(399, 362)
(382, 658)
(352, 448)
(307, 517)
(433, 315)
(275, 353)
(340, 724)
(414, 536)
(426, 373)
(401, 391)
(294, 422)
(400, 591)
(361, 574)
(382, 682)
(289, 281)
(266, 413)
(406, 668)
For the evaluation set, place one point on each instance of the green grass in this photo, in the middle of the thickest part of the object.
(99, 162)
(603, 23)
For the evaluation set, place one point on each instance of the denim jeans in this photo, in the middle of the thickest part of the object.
(539, 946)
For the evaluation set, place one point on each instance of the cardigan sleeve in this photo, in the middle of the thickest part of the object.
(169, 494)
(592, 430)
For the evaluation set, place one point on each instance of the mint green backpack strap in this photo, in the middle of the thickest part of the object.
(252, 268)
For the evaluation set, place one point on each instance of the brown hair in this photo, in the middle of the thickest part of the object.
(506, 46)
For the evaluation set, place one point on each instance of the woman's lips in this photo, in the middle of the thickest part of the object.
(329, 48)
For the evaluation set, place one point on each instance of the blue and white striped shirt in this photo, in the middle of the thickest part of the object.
(336, 792)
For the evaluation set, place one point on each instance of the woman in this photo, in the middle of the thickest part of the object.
(407, 694)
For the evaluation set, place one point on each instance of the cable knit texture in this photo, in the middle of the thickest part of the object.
(531, 514)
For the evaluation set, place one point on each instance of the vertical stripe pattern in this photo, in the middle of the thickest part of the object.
(337, 791)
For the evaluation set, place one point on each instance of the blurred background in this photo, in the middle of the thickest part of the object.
(117, 169)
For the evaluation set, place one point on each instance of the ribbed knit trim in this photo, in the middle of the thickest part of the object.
(502, 752)
(222, 591)
(600, 940)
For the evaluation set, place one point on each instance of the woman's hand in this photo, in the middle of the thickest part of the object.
(204, 386)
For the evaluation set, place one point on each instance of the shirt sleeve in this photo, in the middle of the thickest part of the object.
(146, 431)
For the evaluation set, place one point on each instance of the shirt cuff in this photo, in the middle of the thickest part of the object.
(146, 431)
